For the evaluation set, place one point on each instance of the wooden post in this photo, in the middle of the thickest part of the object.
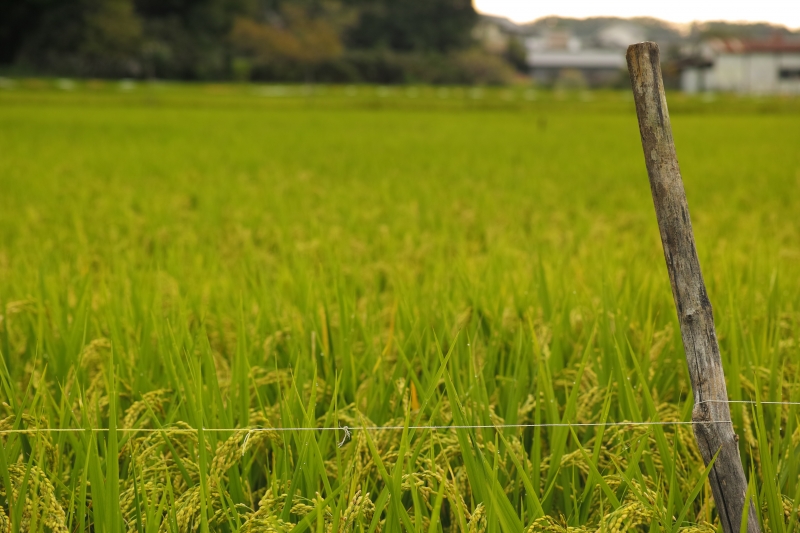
(711, 415)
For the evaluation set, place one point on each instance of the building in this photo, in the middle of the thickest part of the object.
(696, 74)
(754, 67)
(558, 56)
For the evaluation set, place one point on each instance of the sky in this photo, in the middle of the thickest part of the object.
(785, 12)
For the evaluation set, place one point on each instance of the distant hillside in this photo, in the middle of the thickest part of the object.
(557, 51)
(667, 34)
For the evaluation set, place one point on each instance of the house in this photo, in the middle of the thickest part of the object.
(696, 74)
(770, 66)
(557, 55)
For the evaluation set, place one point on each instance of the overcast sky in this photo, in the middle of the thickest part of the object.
(785, 12)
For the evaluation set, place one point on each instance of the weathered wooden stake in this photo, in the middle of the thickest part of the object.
(711, 415)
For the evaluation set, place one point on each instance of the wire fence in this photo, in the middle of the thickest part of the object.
(349, 429)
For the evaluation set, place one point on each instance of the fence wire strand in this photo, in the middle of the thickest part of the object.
(348, 429)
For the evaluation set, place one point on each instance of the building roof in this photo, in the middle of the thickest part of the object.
(694, 61)
(587, 59)
(776, 44)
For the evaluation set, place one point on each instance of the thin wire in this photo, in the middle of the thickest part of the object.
(752, 402)
(347, 430)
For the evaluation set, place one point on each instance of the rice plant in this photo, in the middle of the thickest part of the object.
(220, 290)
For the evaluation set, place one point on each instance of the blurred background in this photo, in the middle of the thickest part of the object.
(742, 47)
(282, 213)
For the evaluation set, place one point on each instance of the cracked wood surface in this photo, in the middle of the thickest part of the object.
(727, 479)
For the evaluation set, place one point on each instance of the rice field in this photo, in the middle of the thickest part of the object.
(202, 286)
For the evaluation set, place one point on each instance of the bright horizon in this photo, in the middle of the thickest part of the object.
(783, 12)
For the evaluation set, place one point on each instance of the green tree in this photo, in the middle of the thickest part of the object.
(516, 54)
(412, 25)
(189, 38)
(293, 35)
(83, 37)
(198, 39)
(111, 33)
(18, 20)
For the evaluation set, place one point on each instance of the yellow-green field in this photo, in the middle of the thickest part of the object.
(186, 260)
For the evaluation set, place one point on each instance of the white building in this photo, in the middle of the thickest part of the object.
(555, 54)
(754, 67)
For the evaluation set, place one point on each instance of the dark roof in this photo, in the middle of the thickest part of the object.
(775, 44)
(695, 61)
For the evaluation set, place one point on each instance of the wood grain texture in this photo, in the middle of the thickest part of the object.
(727, 479)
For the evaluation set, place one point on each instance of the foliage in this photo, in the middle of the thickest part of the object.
(516, 53)
(300, 40)
(384, 66)
(185, 260)
(412, 25)
(213, 39)
(485, 69)
(82, 36)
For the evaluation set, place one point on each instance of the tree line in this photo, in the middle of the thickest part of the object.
(382, 41)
